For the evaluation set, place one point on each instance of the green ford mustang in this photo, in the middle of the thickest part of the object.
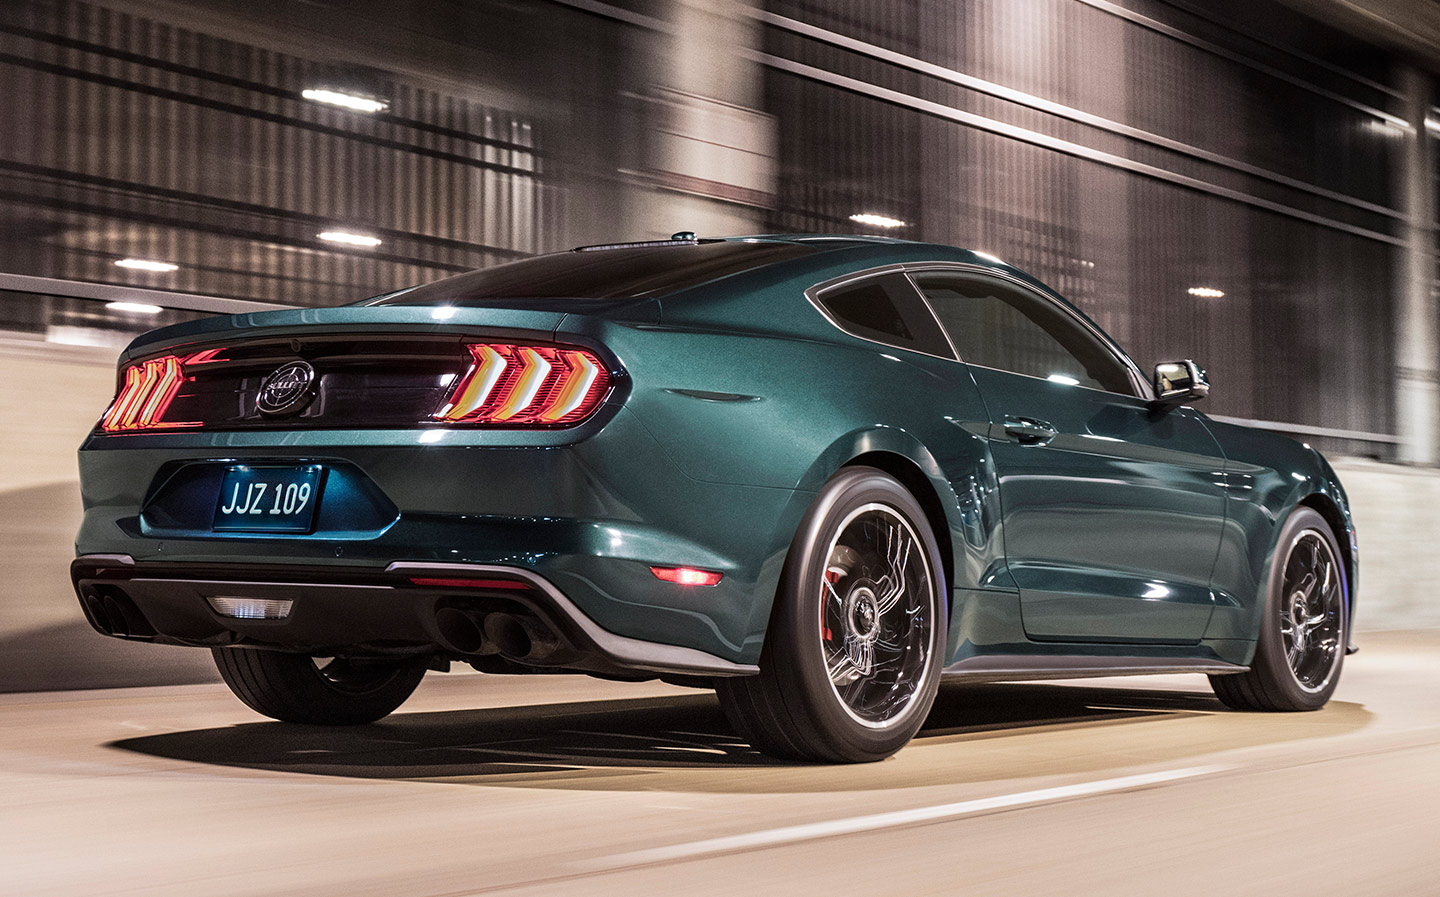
(815, 473)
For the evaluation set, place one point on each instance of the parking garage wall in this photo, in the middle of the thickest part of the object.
(1125, 151)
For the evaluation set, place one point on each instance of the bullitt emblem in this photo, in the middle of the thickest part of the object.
(288, 389)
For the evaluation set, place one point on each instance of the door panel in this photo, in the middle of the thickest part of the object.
(1111, 524)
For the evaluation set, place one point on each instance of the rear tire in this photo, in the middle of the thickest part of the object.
(852, 656)
(1305, 625)
(294, 688)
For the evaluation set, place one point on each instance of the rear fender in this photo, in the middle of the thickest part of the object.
(968, 520)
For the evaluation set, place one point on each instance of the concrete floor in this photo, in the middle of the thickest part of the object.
(563, 785)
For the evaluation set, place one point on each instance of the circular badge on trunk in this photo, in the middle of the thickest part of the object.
(288, 389)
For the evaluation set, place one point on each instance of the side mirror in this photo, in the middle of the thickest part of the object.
(1179, 383)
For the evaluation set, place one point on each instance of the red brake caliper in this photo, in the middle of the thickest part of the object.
(832, 576)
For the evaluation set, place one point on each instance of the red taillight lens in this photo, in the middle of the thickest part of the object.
(687, 576)
(515, 386)
(146, 394)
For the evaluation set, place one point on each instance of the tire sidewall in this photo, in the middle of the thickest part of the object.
(290, 688)
(796, 649)
(1270, 649)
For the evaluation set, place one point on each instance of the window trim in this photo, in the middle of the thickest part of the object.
(1141, 385)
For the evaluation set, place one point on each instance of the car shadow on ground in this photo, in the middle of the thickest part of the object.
(685, 743)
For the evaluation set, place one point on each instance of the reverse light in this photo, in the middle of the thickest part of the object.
(145, 396)
(687, 576)
(251, 608)
(513, 385)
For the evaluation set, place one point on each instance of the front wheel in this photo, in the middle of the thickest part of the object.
(296, 688)
(1304, 631)
(852, 657)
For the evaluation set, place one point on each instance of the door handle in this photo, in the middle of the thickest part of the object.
(1028, 430)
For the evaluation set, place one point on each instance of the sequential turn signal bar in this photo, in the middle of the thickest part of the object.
(514, 385)
(149, 389)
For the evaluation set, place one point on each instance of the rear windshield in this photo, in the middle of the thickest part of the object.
(624, 273)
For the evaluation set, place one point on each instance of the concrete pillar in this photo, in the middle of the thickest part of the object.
(710, 159)
(1417, 344)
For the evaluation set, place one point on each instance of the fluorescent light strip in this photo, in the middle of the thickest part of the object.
(345, 100)
(874, 220)
(1206, 292)
(146, 265)
(349, 239)
(139, 308)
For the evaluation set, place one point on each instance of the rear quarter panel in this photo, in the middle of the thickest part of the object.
(779, 399)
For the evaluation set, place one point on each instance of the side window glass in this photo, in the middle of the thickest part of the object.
(1004, 327)
(886, 309)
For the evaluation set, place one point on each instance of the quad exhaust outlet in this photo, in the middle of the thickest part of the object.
(513, 636)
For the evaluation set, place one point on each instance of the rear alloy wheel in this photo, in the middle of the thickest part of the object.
(339, 691)
(1304, 631)
(852, 657)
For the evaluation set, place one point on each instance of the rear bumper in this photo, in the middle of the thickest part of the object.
(366, 611)
(590, 518)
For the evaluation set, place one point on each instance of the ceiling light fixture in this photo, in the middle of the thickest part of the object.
(349, 239)
(1206, 292)
(876, 220)
(138, 308)
(146, 265)
(345, 100)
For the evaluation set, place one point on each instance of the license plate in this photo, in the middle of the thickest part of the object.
(268, 499)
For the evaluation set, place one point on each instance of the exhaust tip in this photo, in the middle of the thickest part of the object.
(459, 631)
(508, 634)
(113, 613)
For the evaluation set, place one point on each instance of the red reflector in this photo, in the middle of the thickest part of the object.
(687, 576)
(511, 385)
(432, 582)
(145, 396)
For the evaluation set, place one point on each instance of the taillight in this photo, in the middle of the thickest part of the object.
(510, 385)
(146, 394)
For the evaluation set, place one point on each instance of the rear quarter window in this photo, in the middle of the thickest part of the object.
(885, 309)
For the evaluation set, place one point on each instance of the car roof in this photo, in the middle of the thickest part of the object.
(684, 268)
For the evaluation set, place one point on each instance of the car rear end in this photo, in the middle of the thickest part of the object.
(460, 481)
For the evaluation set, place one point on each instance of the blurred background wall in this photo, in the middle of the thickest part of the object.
(1246, 182)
